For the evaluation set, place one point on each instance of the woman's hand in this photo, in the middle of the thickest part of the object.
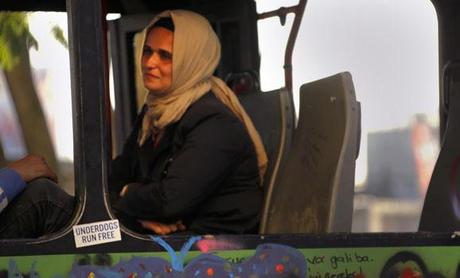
(162, 228)
(123, 190)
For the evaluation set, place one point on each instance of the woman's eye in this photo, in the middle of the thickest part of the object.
(147, 51)
(164, 55)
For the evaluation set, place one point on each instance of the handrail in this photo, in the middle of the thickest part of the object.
(298, 10)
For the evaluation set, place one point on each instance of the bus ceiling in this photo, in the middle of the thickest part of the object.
(126, 6)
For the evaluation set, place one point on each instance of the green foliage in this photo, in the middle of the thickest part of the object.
(59, 35)
(14, 35)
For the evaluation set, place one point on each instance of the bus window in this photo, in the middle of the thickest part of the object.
(390, 48)
(52, 82)
(35, 94)
(12, 143)
(271, 46)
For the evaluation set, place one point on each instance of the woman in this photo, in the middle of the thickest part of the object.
(194, 160)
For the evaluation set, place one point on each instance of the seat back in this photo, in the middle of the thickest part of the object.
(273, 116)
(314, 192)
(441, 210)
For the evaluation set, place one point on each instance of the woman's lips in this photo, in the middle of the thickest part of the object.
(151, 76)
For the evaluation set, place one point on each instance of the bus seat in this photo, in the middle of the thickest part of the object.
(243, 82)
(273, 116)
(314, 191)
(441, 209)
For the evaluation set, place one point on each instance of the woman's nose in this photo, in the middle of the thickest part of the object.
(153, 60)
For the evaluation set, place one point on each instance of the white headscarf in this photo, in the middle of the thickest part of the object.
(196, 54)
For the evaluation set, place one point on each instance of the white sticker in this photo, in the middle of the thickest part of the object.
(96, 233)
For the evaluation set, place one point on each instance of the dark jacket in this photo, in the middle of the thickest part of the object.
(203, 171)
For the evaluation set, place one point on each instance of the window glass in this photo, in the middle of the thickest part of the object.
(390, 48)
(35, 97)
(12, 144)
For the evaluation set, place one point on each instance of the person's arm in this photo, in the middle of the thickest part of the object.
(122, 173)
(11, 184)
(32, 167)
(123, 167)
(210, 150)
(13, 179)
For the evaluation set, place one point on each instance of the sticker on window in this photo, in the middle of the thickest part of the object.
(96, 233)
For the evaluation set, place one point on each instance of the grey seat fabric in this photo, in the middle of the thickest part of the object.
(273, 116)
(441, 210)
(314, 191)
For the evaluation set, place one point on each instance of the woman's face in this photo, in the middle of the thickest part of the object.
(157, 60)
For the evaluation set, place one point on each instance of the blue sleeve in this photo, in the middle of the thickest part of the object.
(11, 184)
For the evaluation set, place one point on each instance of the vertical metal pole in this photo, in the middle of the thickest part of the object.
(89, 79)
(299, 11)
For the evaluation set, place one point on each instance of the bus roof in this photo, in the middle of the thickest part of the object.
(117, 6)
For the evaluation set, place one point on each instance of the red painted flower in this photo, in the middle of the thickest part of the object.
(279, 268)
